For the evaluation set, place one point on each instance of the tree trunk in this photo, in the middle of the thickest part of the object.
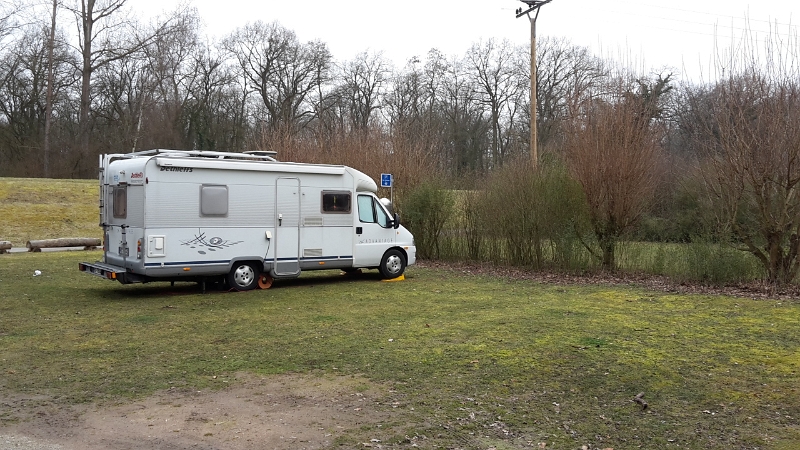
(87, 23)
(609, 259)
(48, 118)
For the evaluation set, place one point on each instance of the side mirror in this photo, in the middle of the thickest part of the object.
(396, 221)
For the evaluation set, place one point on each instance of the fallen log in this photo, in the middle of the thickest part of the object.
(86, 243)
(5, 246)
(640, 400)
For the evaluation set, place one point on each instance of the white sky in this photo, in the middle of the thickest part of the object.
(647, 34)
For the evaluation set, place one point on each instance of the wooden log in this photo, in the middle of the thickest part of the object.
(640, 400)
(86, 243)
(5, 246)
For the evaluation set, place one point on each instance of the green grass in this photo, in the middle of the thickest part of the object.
(697, 261)
(47, 209)
(466, 361)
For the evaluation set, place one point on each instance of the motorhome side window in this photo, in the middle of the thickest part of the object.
(120, 202)
(336, 202)
(213, 200)
(369, 211)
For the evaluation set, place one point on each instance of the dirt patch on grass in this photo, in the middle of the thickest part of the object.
(286, 411)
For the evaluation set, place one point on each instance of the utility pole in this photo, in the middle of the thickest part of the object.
(533, 6)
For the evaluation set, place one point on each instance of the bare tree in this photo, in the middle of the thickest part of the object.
(172, 73)
(613, 152)
(283, 71)
(23, 91)
(363, 82)
(9, 11)
(499, 87)
(122, 90)
(464, 118)
(22, 84)
(414, 106)
(215, 120)
(750, 140)
(567, 77)
(106, 34)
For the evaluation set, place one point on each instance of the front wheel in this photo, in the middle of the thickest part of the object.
(243, 276)
(393, 263)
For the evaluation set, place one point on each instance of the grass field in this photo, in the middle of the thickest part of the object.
(469, 361)
(47, 209)
(465, 361)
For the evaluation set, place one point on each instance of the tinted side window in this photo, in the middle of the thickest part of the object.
(120, 202)
(336, 202)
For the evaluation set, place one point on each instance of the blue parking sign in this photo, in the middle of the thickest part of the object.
(386, 180)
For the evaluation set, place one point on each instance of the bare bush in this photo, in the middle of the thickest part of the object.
(529, 216)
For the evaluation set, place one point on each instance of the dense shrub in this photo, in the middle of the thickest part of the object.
(521, 216)
(427, 208)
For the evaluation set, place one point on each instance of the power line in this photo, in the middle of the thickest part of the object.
(716, 15)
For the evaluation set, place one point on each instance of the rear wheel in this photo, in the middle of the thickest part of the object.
(393, 263)
(243, 276)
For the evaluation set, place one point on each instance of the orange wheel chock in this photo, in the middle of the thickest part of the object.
(264, 281)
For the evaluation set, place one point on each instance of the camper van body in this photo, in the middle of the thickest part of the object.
(191, 215)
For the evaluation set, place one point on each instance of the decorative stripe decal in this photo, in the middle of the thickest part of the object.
(317, 258)
(188, 263)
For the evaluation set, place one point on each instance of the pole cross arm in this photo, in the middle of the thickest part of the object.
(533, 5)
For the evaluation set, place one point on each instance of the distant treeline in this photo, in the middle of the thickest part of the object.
(623, 156)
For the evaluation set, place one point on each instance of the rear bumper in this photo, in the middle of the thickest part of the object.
(103, 270)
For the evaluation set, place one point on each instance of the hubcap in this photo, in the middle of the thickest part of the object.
(244, 275)
(394, 263)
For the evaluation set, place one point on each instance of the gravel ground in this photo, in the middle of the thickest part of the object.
(23, 443)
(291, 411)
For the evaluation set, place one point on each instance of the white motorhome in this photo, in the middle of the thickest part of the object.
(170, 215)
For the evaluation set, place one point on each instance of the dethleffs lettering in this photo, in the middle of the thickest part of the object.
(176, 169)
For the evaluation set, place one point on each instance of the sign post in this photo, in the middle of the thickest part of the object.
(387, 181)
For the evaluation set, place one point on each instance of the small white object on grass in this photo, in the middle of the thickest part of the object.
(36, 273)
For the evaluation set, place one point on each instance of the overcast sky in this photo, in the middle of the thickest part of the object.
(647, 34)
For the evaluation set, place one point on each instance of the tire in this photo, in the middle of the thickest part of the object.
(393, 263)
(243, 276)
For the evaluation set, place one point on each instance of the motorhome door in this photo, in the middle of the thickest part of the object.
(287, 229)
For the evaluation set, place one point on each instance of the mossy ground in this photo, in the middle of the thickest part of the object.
(471, 361)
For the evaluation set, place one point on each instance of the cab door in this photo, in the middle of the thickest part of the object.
(373, 230)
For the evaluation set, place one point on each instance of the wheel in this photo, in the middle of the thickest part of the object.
(393, 263)
(243, 276)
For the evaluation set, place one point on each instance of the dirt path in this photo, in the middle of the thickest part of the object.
(279, 412)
